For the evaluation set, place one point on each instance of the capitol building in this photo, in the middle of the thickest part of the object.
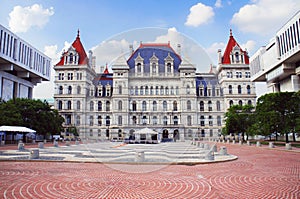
(153, 87)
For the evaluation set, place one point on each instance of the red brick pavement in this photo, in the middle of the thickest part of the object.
(258, 173)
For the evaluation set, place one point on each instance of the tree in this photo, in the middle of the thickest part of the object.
(33, 114)
(239, 119)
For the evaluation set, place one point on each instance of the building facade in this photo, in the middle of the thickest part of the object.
(278, 63)
(21, 66)
(155, 87)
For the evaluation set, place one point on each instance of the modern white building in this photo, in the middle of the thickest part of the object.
(21, 66)
(278, 63)
(155, 87)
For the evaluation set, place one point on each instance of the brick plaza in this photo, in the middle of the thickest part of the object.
(259, 172)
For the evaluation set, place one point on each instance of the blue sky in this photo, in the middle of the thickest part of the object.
(51, 25)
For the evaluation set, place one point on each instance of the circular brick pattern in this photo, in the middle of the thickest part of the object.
(258, 173)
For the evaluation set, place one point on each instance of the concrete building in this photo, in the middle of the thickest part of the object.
(21, 66)
(154, 87)
(278, 63)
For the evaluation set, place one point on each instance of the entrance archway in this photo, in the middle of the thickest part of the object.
(176, 134)
(165, 134)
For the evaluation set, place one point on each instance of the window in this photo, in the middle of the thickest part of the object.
(141, 90)
(107, 121)
(165, 105)
(189, 120)
(239, 89)
(230, 89)
(120, 90)
(69, 90)
(146, 90)
(230, 103)
(154, 120)
(154, 108)
(69, 105)
(91, 106)
(151, 90)
(210, 120)
(60, 90)
(70, 76)
(248, 90)
(167, 91)
(169, 67)
(218, 106)
(133, 119)
(68, 119)
(108, 91)
(61, 76)
(99, 106)
(144, 120)
(78, 105)
(161, 90)
(177, 90)
(175, 119)
(156, 90)
(99, 120)
(144, 106)
(134, 106)
(107, 106)
(77, 120)
(188, 105)
(175, 106)
(201, 106)
(249, 102)
(219, 122)
(136, 90)
(247, 74)
(240, 103)
(209, 106)
(78, 90)
(91, 120)
(139, 67)
(153, 68)
(120, 105)
(188, 89)
(120, 120)
(237, 57)
(229, 74)
(59, 105)
(79, 76)
(165, 120)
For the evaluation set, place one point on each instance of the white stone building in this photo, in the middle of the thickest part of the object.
(278, 63)
(154, 87)
(21, 66)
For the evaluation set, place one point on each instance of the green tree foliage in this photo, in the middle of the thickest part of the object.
(33, 114)
(278, 113)
(239, 119)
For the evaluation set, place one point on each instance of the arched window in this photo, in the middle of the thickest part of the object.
(175, 108)
(144, 120)
(120, 105)
(230, 103)
(249, 102)
(59, 105)
(139, 67)
(153, 68)
(69, 89)
(154, 120)
(133, 119)
(107, 106)
(209, 106)
(141, 90)
(91, 106)
(154, 108)
(248, 90)
(161, 90)
(91, 120)
(60, 90)
(136, 90)
(188, 105)
(218, 106)
(69, 103)
(120, 89)
(156, 90)
(201, 106)
(237, 57)
(107, 121)
(230, 89)
(78, 105)
(210, 120)
(99, 106)
(169, 67)
(167, 91)
(175, 119)
(240, 103)
(165, 106)
(239, 89)
(144, 106)
(189, 120)
(120, 120)
(165, 120)
(202, 120)
(99, 120)
(71, 58)
(146, 90)
(172, 90)
(134, 106)
(78, 90)
(151, 90)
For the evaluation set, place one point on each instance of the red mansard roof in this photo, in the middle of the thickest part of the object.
(230, 45)
(83, 59)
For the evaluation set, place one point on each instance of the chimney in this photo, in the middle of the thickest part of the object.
(220, 56)
(131, 49)
(178, 49)
(90, 58)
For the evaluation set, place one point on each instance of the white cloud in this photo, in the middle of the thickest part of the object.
(249, 46)
(199, 14)
(218, 4)
(264, 16)
(212, 50)
(21, 19)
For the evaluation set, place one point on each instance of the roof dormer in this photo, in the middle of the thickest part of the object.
(71, 57)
